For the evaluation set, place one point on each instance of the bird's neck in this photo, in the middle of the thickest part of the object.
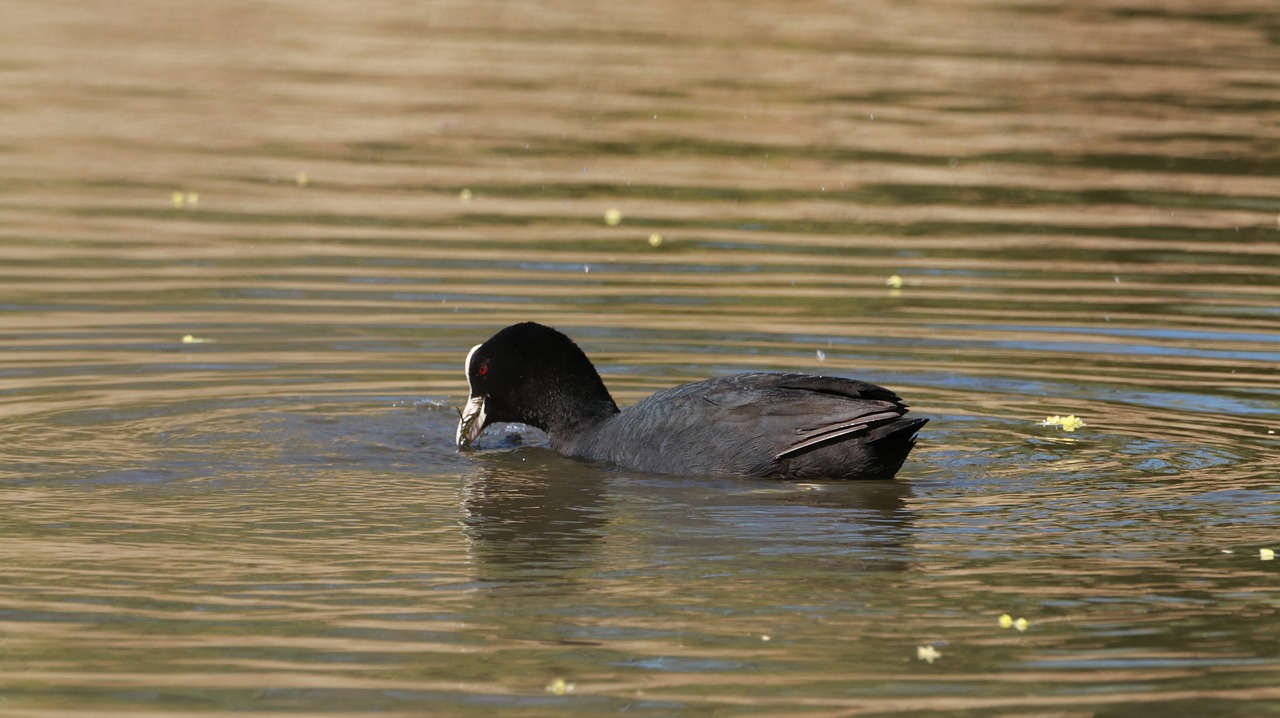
(574, 419)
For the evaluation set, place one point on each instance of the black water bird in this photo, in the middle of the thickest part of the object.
(777, 426)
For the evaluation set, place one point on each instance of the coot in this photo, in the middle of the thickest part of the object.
(777, 426)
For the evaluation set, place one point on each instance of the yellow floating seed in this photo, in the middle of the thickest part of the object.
(559, 687)
(1066, 423)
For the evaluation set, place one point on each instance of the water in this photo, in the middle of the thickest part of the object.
(245, 247)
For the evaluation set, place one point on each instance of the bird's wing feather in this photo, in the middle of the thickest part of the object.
(836, 431)
(804, 411)
(744, 422)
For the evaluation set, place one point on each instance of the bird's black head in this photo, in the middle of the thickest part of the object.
(535, 375)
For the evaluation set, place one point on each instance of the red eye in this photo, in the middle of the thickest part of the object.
(484, 369)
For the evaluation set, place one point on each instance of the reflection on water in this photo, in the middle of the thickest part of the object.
(244, 249)
(531, 510)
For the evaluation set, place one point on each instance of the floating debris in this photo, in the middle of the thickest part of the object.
(185, 199)
(193, 339)
(301, 179)
(893, 281)
(1066, 423)
(613, 217)
(559, 687)
(928, 654)
(1267, 554)
(1007, 621)
(655, 240)
(465, 196)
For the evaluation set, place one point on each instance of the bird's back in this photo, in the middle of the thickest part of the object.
(782, 426)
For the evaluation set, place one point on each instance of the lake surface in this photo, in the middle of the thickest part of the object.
(245, 247)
